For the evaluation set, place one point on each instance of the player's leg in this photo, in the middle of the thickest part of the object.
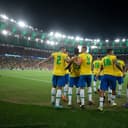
(120, 84)
(99, 83)
(64, 97)
(71, 83)
(113, 87)
(88, 81)
(53, 90)
(76, 83)
(94, 84)
(103, 88)
(82, 90)
(109, 94)
(60, 84)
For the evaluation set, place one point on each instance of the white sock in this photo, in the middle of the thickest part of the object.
(119, 89)
(53, 93)
(99, 85)
(94, 86)
(101, 100)
(90, 93)
(58, 97)
(113, 99)
(82, 96)
(65, 90)
(70, 96)
(109, 94)
(78, 95)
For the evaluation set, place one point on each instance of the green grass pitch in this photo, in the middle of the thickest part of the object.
(25, 103)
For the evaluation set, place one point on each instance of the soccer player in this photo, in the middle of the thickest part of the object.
(85, 79)
(74, 78)
(109, 80)
(119, 75)
(96, 68)
(58, 79)
(64, 96)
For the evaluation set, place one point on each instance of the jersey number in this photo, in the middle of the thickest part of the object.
(107, 62)
(88, 60)
(58, 59)
(97, 65)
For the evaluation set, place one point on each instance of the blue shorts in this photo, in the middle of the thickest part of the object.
(108, 81)
(73, 81)
(58, 81)
(99, 78)
(119, 79)
(66, 78)
(85, 80)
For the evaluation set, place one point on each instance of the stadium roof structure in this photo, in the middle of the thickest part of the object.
(21, 34)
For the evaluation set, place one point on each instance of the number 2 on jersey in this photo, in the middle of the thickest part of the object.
(58, 59)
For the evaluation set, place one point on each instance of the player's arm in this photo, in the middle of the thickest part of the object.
(101, 69)
(46, 60)
(117, 65)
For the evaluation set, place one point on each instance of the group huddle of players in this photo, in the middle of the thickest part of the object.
(78, 71)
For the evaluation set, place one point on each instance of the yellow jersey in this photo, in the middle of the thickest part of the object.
(108, 65)
(116, 70)
(66, 71)
(86, 64)
(96, 66)
(59, 63)
(74, 70)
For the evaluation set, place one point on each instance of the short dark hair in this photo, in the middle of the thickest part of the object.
(76, 51)
(109, 50)
(84, 47)
(98, 56)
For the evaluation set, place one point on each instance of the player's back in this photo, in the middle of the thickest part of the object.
(108, 64)
(86, 65)
(96, 66)
(59, 63)
(75, 70)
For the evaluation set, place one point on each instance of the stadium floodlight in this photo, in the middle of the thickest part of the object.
(63, 36)
(58, 35)
(48, 42)
(30, 27)
(17, 36)
(86, 39)
(3, 16)
(77, 38)
(95, 40)
(72, 37)
(29, 38)
(56, 43)
(22, 24)
(12, 20)
(106, 41)
(5, 32)
(52, 42)
(93, 47)
(123, 40)
(98, 40)
(69, 37)
(81, 39)
(117, 40)
(37, 39)
(51, 33)
(42, 41)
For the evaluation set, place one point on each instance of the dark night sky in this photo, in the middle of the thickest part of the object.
(92, 18)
